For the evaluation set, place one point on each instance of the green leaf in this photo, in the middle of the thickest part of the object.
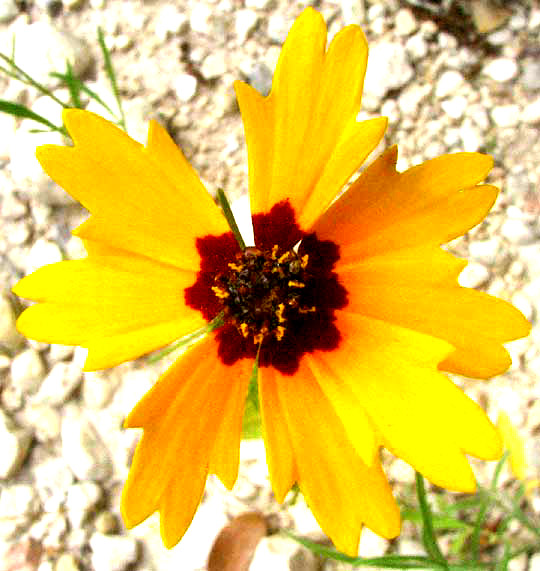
(112, 76)
(502, 565)
(23, 112)
(251, 424)
(73, 85)
(440, 522)
(386, 561)
(428, 532)
(17, 73)
(487, 501)
(229, 216)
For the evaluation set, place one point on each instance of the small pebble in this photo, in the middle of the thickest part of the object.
(14, 444)
(81, 500)
(66, 562)
(501, 70)
(10, 338)
(27, 371)
(83, 449)
(185, 86)
(244, 24)
(506, 115)
(448, 84)
(405, 23)
(517, 231)
(62, 380)
(106, 522)
(113, 552)
(474, 275)
(8, 10)
(214, 65)
(531, 113)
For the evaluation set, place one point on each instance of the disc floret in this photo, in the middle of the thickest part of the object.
(263, 291)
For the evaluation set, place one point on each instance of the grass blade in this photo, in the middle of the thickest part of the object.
(112, 76)
(23, 112)
(428, 531)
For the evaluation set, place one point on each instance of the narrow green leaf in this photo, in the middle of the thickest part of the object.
(183, 343)
(228, 213)
(21, 75)
(428, 532)
(21, 111)
(85, 89)
(251, 424)
(96, 97)
(439, 521)
(464, 504)
(502, 565)
(487, 501)
(73, 85)
(112, 76)
(386, 561)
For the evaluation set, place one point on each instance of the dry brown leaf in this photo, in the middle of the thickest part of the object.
(487, 16)
(235, 545)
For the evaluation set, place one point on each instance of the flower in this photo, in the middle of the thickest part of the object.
(350, 306)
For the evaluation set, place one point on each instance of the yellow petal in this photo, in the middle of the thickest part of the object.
(341, 491)
(277, 441)
(381, 197)
(258, 119)
(419, 266)
(482, 359)
(351, 151)
(181, 417)
(118, 305)
(512, 442)
(470, 320)
(360, 431)
(224, 458)
(137, 203)
(180, 501)
(436, 224)
(105, 352)
(297, 82)
(303, 140)
(420, 414)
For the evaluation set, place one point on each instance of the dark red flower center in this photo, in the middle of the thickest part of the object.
(279, 296)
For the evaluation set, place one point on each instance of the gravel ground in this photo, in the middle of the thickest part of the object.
(444, 88)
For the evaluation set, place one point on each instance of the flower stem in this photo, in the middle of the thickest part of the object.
(229, 216)
(428, 531)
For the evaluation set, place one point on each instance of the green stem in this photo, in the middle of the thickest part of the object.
(30, 81)
(229, 216)
(484, 506)
(109, 69)
(428, 532)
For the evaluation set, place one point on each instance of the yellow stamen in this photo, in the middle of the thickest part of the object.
(294, 283)
(279, 313)
(311, 309)
(280, 332)
(286, 257)
(220, 292)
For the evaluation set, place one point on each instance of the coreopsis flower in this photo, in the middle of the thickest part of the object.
(349, 306)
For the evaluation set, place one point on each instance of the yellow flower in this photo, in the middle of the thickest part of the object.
(351, 305)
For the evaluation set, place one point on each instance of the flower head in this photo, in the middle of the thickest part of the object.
(350, 306)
